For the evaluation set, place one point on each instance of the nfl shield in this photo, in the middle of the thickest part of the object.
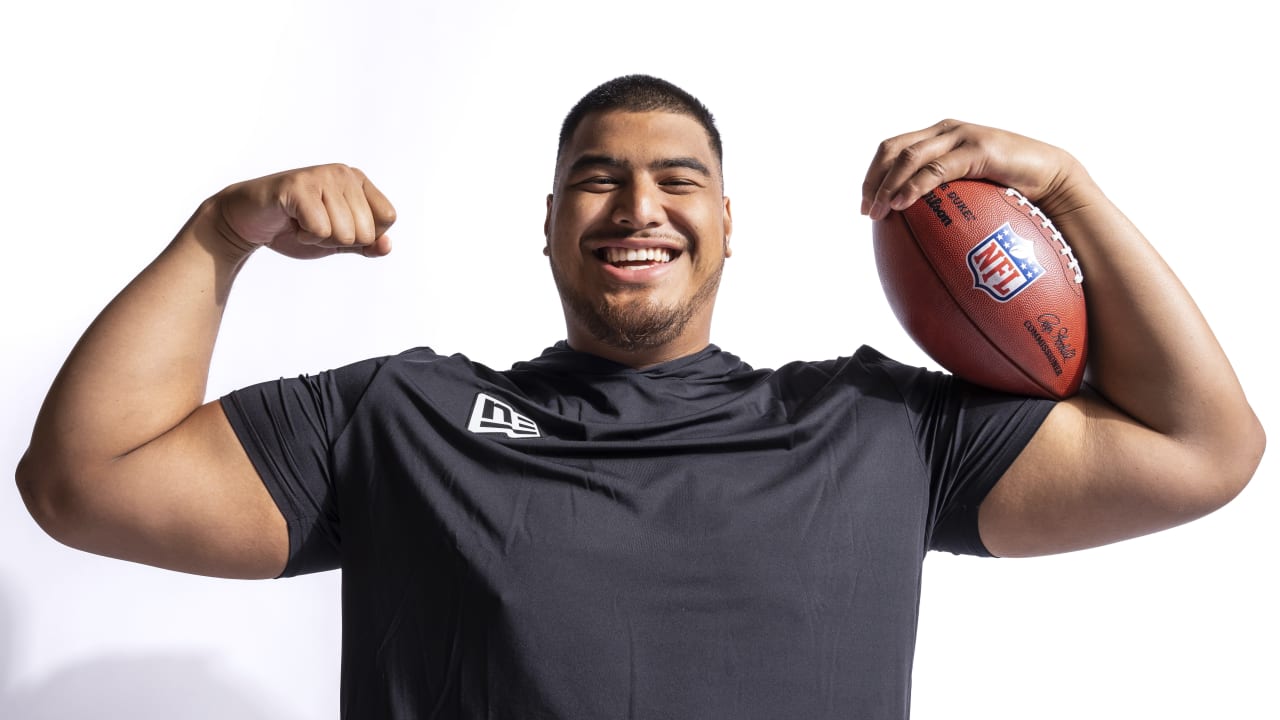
(1004, 264)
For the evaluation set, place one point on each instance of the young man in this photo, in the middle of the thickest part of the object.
(635, 523)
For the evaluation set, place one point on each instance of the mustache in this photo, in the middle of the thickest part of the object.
(625, 234)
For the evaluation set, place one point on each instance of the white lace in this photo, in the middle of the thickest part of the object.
(1047, 224)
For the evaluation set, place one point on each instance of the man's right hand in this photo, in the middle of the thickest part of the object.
(305, 213)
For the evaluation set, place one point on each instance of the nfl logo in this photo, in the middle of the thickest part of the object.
(1004, 264)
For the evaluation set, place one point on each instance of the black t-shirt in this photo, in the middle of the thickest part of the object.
(574, 538)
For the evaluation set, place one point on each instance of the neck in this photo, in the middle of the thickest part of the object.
(639, 358)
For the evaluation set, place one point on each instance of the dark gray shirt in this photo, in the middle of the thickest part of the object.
(574, 538)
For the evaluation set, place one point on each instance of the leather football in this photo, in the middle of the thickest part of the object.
(985, 284)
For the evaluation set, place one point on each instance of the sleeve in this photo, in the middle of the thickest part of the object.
(967, 436)
(288, 428)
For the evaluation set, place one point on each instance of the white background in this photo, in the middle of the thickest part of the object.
(118, 118)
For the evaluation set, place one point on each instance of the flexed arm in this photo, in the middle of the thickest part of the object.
(126, 460)
(1164, 433)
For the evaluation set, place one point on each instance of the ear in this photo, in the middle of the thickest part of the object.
(728, 228)
(547, 226)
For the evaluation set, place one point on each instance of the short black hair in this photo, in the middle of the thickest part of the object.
(640, 93)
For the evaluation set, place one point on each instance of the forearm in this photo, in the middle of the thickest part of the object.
(1165, 433)
(127, 460)
(142, 366)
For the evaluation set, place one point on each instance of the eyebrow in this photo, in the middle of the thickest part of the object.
(689, 163)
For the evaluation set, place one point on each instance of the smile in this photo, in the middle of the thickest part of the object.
(626, 257)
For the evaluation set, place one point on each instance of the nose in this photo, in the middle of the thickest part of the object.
(639, 205)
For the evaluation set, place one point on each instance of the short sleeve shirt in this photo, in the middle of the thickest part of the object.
(573, 538)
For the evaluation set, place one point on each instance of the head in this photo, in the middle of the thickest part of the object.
(637, 224)
(640, 94)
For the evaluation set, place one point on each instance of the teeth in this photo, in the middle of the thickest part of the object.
(617, 255)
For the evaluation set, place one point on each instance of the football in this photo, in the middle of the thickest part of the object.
(985, 284)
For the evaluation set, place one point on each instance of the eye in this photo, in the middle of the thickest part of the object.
(680, 186)
(597, 183)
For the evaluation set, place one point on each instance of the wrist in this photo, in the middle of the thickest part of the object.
(209, 229)
(1071, 190)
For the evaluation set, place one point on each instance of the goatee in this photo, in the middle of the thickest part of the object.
(637, 324)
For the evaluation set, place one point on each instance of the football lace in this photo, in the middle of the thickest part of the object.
(1047, 224)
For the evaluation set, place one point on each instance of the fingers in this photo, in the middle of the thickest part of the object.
(908, 166)
(377, 248)
(384, 215)
(336, 209)
(305, 205)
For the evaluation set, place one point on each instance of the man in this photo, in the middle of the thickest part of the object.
(635, 523)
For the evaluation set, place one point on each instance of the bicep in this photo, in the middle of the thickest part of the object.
(1090, 476)
(190, 500)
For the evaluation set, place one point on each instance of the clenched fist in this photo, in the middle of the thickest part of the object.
(306, 213)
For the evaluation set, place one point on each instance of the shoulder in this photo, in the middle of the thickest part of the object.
(866, 368)
(423, 362)
(873, 377)
(339, 391)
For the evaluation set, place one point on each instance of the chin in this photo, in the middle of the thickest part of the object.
(632, 319)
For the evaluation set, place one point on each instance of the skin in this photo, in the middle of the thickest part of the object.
(1164, 433)
(125, 461)
(638, 180)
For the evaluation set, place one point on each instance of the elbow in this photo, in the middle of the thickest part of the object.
(1234, 463)
(45, 495)
(31, 489)
(1249, 454)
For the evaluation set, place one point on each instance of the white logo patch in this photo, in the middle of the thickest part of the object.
(491, 415)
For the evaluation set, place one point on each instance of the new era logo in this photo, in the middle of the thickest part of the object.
(491, 415)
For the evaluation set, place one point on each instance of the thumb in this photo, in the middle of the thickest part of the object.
(379, 248)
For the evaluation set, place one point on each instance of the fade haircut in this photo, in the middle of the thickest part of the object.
(640, 93)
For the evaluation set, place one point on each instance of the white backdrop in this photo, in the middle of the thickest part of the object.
(118, 118)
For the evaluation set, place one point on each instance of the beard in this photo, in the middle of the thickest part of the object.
(636, 324)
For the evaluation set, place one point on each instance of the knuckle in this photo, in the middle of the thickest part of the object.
(328, 173)
(887, 151)
(291, 182)
(909, 155)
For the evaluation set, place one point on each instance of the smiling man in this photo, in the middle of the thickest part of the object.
(638, 230)
(635, 523)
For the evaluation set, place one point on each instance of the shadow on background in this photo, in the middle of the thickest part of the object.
(133, 686)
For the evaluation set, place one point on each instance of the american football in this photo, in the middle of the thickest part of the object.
(985, 284)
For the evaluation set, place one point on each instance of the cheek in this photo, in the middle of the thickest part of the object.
(579, 209)
(565, 252)
(564, 233)
(708, 221)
